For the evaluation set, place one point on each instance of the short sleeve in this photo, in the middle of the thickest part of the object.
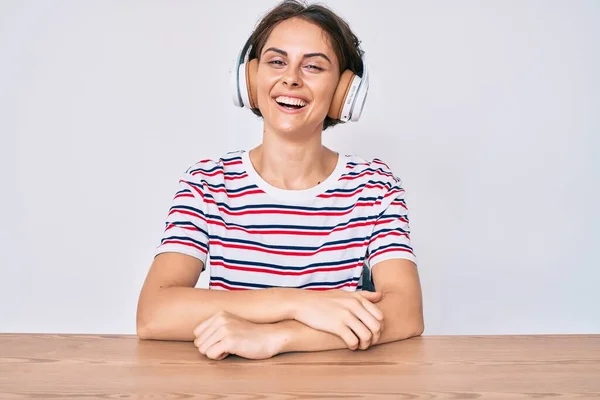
(186, 225)
(391, 234)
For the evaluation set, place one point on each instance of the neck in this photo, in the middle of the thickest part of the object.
(293, 164)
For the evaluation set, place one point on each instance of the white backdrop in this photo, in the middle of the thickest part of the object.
(489, 112)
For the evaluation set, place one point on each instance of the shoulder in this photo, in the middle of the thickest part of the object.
(214, 170)
(372, 171)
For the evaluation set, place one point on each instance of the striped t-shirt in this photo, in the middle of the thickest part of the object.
(252, 235)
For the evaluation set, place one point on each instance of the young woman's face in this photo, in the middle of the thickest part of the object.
(297, 77)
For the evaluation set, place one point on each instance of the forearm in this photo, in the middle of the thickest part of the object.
(400, 321)
(172, 313)
(295, 336)
(402, 318)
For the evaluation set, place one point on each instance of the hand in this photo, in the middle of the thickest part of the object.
(224, 334)
(350, 315)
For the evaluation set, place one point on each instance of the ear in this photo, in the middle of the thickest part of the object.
(251, 73)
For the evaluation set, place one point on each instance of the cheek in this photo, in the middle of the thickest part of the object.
(325, 93)
(264, 84)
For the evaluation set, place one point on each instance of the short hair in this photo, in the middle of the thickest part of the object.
(344, 42)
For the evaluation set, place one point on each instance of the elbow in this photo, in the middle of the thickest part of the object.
(418, 328)
(142, 330)
(144, 320)
(414, 327)
(142, 326)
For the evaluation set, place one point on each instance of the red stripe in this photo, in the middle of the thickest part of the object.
(350, 284)
(189, 228)
(288, 212)
(400, 203)
(224, 286)
(364, 173)
(393, 192)
(393, 233)
(288, 232)
(193, 214)
(214, 173)
(291, 212)
(184, 195)
(194, 245)
(283, 252)
(234, 195)
(338, 195)
(381, 163)
(285, 273)
(193, 187)
(378, 253)
(383, 221)
(233, 178)
(234, 162)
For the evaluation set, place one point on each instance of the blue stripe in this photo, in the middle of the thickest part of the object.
(289, 207)
(221, 185)
(243, 284)
(395, 216)
(311, 284)
(232, 158)
(281, 247)
(187, 223)
(182, 207)
(403, 246)
(206, 170)
(290, 227)
(380, 169)
(235, 173)
(362, 185)
(263, 286)
(389, 230)
(285, 268)
(185, 239)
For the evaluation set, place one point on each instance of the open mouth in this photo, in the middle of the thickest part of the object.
(290, 103)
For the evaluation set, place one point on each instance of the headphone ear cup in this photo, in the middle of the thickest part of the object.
(341, 92)
(251, 72)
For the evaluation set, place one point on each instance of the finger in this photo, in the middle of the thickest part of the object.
(200, 328)
(210, 336)
(367, 319)
(361, 332)
(207, 332)
(218, 350)
(373, 297)
(349, 337)
(377, 336)
(372, 308)
(367, 302)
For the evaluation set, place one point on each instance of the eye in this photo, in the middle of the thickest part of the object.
(314, 67)
(276, 62)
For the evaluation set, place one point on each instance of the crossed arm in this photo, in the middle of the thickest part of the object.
(263, 323)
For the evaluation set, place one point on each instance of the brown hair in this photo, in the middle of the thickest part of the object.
(344, 42)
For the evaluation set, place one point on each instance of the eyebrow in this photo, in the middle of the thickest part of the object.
(308, 55)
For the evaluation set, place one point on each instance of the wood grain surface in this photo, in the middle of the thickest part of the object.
(431, 367)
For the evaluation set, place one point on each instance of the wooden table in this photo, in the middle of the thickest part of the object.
(430, 367)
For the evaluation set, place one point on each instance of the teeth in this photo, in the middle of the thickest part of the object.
(291, 101)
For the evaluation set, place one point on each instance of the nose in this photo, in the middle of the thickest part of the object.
(292, 78)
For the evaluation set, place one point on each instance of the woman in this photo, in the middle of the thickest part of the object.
(307, 226)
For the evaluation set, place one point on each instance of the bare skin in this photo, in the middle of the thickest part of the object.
(259, 324)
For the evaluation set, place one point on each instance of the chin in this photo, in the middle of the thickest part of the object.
(290, 126)
(290, 129)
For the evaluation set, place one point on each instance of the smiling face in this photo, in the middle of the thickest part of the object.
(297, 76)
